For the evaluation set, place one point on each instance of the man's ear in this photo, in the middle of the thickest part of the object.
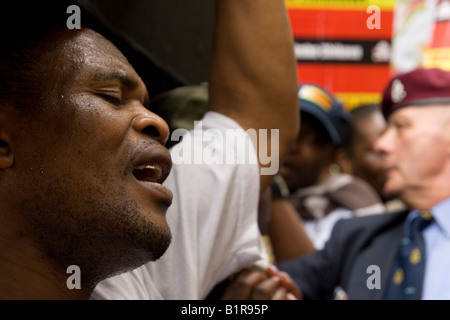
(6, 153)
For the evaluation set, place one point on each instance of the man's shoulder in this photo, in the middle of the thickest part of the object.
(375, 219)
(217, 120)
(365, 228)
(372, 221)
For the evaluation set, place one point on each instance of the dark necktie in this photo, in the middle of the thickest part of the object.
(409, 267)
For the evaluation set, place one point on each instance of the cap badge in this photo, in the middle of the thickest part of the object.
(398, 92)
(316, 96)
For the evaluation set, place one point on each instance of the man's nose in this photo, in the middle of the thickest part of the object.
(152, 125)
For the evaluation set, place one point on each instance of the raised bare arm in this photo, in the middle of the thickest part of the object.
(253, 76)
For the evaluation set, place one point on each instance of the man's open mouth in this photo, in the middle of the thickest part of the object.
(149, 173)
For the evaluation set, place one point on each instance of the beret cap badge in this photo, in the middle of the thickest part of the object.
(398, 92)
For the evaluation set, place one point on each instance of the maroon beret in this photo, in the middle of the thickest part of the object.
(417, 87)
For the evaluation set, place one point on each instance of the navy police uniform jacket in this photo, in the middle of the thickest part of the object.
(357, 259)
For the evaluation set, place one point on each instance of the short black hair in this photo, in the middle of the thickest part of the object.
(24, 28)
(364, 110)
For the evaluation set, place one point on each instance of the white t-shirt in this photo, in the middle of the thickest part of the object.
(213, 217)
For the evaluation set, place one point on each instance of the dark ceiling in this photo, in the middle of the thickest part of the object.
(167, 41)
